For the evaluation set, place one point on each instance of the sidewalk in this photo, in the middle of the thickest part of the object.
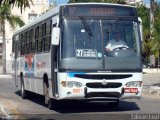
(151, 78)
(151, 83)
(5, 76)
(151, 70)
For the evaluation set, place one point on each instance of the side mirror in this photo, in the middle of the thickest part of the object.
(141, 28)
(55, 35)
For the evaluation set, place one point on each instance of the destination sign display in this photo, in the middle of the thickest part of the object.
(98, 10)
(86, 53)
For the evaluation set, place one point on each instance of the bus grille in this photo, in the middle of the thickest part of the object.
(103, 94)
(100, 85)
(100, 77)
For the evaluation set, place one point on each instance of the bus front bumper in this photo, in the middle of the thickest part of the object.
(98, 94)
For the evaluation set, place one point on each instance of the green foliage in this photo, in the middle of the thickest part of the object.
(19, 3)
(150, 45)
(5, 14)
(157, 21)
(156, 33)
(144, 14)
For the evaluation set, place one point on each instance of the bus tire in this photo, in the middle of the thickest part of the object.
(23, 91)
(50, 104)
(45, 92)
(48, 100)
(54, 104)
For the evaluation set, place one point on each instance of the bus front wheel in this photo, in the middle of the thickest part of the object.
(50, 104)
(48, 100)
(53, 104)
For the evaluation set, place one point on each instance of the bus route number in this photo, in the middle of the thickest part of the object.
(86, 53)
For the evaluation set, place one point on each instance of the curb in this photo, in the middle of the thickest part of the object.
(153, 90)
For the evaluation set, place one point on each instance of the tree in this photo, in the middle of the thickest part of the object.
(144, 14)
(155, 43)
(19, 3)
(13, 20)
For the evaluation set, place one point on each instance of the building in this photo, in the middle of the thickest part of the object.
(29, 14)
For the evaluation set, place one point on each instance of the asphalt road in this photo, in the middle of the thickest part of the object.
(34, 107)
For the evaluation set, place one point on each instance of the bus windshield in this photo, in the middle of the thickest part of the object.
(85, 41)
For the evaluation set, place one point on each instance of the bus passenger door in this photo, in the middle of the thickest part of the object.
(54, 70)
(55, 36)
(15, 64)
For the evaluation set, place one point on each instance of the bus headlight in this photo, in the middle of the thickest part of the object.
(134, 84)
(73, 83)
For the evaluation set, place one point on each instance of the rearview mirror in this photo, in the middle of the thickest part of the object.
(141, 28)
(55, 35)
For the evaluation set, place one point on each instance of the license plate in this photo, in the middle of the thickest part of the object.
(131, 90)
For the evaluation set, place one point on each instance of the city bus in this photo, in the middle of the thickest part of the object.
(61, 55)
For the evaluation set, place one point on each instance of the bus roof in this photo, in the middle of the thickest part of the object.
(55, 11)
(95, 3)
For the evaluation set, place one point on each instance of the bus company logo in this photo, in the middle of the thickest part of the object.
(104, 82)
(29, 65)
(40, 65)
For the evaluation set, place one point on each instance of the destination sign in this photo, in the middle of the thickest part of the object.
(98, 10)
(86, 53)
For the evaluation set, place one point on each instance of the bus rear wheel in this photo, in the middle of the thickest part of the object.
(23, 91)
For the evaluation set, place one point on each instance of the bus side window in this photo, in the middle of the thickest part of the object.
(47, 37)
(32, 42)
(21, 36)
(39, 49)
(36, 37)
(13, 44)
(26, 42)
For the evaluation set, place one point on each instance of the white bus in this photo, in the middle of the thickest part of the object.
(62, 56)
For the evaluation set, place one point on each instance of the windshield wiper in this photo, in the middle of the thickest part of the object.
(87, 28)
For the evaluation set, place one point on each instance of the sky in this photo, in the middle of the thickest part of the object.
(61, 1)
(65, 1)
(148, 1)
